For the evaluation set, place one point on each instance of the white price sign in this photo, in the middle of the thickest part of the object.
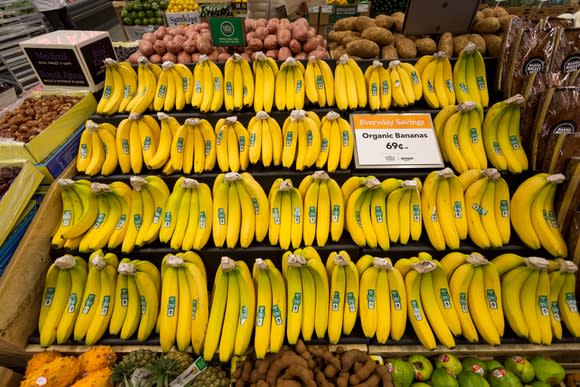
(392, 140)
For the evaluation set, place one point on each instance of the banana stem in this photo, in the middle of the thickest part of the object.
(67, 261)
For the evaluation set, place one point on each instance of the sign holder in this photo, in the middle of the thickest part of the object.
(227, 31)
(425, 17)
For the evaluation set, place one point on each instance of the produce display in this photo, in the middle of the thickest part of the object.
(33, 115)
(7, 177)
(143, 13)
(277, 38)
(381, 37)
(182, 6)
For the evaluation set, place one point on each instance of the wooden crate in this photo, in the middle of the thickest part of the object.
(535, 13)
(22, 283)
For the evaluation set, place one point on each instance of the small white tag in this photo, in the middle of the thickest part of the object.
(139, 376)
(190, 373)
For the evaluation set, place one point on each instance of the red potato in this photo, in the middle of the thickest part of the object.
(134, 57)
(193, 35)
(159, 47)
(295, 46)
(249, 25)
(179, 30)
(174, 47)
(312, 30)
(311, 45)
(251, 35)
(261, 22)
(284, 53)
(189, 46)
(169, 57)
(284, 37)
(146, 47)
(167, 38)
(284, 23)
(155, 58)
(301, 55)
(245, 56)
(204, 45)
(299, 33)
(223, 49)
(150, 37)
(214, 55)
(270, 42)
(272, 25)
(255, 44)
(272, 54)
(195, 57)
(261, 33)
(320, 53)
(223, 56)
(183, 57)
(179, 39)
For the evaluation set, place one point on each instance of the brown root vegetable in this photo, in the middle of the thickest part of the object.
(489, 25)
(249, 24)
(373, 381)
(284, 53)
(330, 371)
(459, 43)
(499, 11)
(350, 357)
(255, 44)
(323, 354)
(342, 380)
(300, 33)
(364, 372)
(223, 56)
(333, 45)
(174, 47)
(251, 35)
(272, 54)
(261, 22)
(478, 16)
(272, 25)
(310, 45)
(426, 46)
(167, 38)
(214, 55)
(339, 36)
(398, 21)
(262, 383)
(284, 361)
(361, 23)
(350, 38)
(385, 376)
(204, 45)
(195, 57)
(261, 33)
(270, 42)
(287, 383)
(446, 44)
(159, 47)
(319, 53)
(146, 47)
(305, 374)
(183, 57)
(179, 39)
(155, 58)
(320, 378)
(151, 36)
(301, 55)
(389, 52)
(179, 30)
(134, 57)
(169, 56)
(284, 37)
(493, 44)
(295, 46)
(479, 43)
(363, 48)
(379, 35)
(406, 48)
(384, 21)
(338, 52)
(346, 24)
(189, 46)
(487, 12)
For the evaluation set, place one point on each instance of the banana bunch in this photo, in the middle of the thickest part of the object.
(501, 136)
(186, 220)
(184, 306)
(193, 147)
(147, 75)
(240, 210)
(437, 76)
(323, 209)
(405, 82)
(63, 289)
(97, 149)
(149, 198)
(286, 214)
(562, 302)
(379, 86)
(469, 78)
(533, 217)
(98, 299)
(380, 212)
(458, 130)
(270, 329)
(290, 85)
(301, 139)
(265, 70)
(136, 305)
(265, 141)
(137, 140)
(208, 86)
(530, 297)
(473, 281)
(307, 294)
(344, 293)
(383, 299)
(232, 314)
(336, 142)
(238, 84)
(319, 82)
(350, 91)
(232, 145)
(119, 88)
(168, 127)
(174, 87)
(431, 312)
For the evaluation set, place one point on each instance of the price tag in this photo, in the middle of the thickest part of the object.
(227, 31)
(394, 140)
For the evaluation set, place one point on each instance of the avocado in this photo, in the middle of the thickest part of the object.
(470, 379)
(492, 364)
(450, 362)
(548, 371)
(476, 365)
(539, 383)
(442, 378)
(521, 367)
(420, 384)
(500, 377)
(401, 372)
(422, 367)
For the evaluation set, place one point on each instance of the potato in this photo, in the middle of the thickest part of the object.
(179, 30)
(379, 35)
(500, 11)
(160, 32)
(284, 53)
(270, 42)
(223, 56)
(195, 57)
(493, 44)
(338, 52)
(339, 36)
(346, 24)
(183, 57)
(272, 54)
(489, 25)
(479, 43)
(249, 24)
(159, 47)
(349, 38)
(155, 58)
(406, 48)
(251, 35)
(261, 33)
(384, 21)
(204, 45)
(134, 57)
(478, 16)
(146, 47)
(459, 43)
(361, 23)
(284, 37)
(168, 56)
(174, 47)
(398, 35)
(213, 55)
(272, 25)
(398, 21)
(363, 48)
(295, 46)
(504, 21)
(487, 12)
(389, 52)
(319, 54)
(426, 46)
(300, 33)
(179, 39)
(301, 55)
(310, 45)
(255, 44)
(446, 44)
(261, 22)
(167, 38)
(150, 37)
(333, 45)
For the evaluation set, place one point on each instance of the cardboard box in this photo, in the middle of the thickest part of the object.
(9, 378)
(70, 59)
(174, 19)
(61, 157)
(40, 147)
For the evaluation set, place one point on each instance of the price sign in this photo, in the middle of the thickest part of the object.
(227, 31)
(393, 140)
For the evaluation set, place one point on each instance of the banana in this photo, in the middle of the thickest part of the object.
(233, 216)
(91, 295)
(416, 312)
(383, 306)
(487, 215)
(507, 262)
(85, 150)
(337, 303)
(432, 312)
(294, 302)
(556, 282)
(263, 305)
(548, 233)
(148, 79)
(58, 306)
(492, 287)
(122, 141)
(514, 137)
(443, 298)
(309, 301)
(278, 325)
(521, 204)
(473, 202)
(498, 116)
(171, 211)
(459, 288)
(431, 219)
(86, 219)
(542, 297)
(567, 304)
(248, 222)
(367, 307)
(428, 81)
(529, 305)
(168, 308)
(481, 78)
(398, 303)
(316, 268)
(105, 305)
(446, 213)
(130, 323)
(481, 316)
(451, 141)
(511, 289)
(398, 91)
(501, 207)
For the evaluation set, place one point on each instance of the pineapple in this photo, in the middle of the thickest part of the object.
(213, 376)
(60, 372)
(164, 370)
(141, 358)
(98, 357)
(40, 359)
(99, 378)
(184, 359)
